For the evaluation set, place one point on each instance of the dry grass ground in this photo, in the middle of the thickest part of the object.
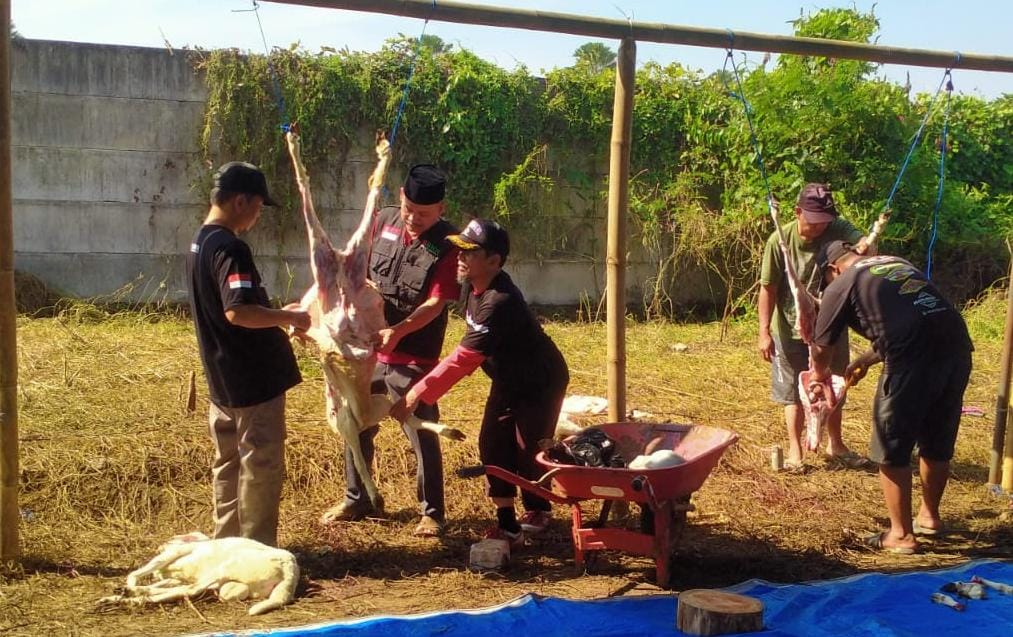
(112, 465)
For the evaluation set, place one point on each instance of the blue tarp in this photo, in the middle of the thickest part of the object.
(870, 604)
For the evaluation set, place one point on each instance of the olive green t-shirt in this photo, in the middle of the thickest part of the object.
(803, 255)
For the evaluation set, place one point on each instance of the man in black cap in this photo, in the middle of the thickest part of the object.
(529, 375)
(924, 345)
(816, 223)
(413, 266)
(246, 355)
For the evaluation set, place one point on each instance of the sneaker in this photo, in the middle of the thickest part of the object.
(535, 521)
(514, 539)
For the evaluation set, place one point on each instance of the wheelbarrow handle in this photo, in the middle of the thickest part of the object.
(643, 483)
(530, 486)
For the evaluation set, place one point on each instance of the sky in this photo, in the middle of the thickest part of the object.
(968, 26)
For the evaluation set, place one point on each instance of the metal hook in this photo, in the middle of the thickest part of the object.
(254, 9)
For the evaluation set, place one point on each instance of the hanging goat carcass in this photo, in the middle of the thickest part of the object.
(347, 312)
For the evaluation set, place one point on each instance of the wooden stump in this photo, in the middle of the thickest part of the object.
(708, 612)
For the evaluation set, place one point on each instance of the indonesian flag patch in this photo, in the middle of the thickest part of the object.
(390, 233)
(237, 281)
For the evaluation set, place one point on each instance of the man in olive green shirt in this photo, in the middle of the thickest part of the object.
(816, 223)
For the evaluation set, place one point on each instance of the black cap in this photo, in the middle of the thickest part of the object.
(245, 178)
(425, 184)
(831, 252)
(485, 234)
(817, 203)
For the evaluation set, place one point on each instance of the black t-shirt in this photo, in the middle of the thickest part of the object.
(520, 356)
(890, 302)
(243, 366)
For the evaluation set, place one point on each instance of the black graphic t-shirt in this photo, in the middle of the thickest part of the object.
(520, 356)
(890, 302)
(243, 366)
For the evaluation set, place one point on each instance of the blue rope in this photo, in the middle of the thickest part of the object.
(942, 174)
(279, 98)
(408, 82)
(914, 143)
(741, 96)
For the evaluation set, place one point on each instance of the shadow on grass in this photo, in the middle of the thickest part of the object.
(705, 556)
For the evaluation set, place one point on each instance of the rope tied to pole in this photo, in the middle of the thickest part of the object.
(804, 301)
(943, 148)
(408, 81)
(278, 96)
(884, 216)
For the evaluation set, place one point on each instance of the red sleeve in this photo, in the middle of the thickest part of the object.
(461, 362)
(444, 284)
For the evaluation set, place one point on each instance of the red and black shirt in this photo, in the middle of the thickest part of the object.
(505, 338)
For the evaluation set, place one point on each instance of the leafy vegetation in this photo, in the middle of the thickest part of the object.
(534, 151)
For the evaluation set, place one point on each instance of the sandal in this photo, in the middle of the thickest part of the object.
(852, 460)
(428, 527)
(918, 529)
(794, 468)
(875, 541)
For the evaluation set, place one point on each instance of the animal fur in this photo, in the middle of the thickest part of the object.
(234, 568)
(346, 310)
(578, 410)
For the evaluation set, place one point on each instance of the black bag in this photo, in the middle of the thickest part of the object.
(590, 448)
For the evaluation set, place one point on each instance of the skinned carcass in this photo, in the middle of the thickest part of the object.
(346, 311)
(805, 304)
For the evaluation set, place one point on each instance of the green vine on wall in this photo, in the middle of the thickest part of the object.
(534, 151)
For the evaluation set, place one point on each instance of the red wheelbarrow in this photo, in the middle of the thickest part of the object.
(664, 493)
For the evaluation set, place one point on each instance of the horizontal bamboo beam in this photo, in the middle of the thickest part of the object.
(463, 13)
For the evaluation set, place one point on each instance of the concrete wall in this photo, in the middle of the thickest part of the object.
(104, 158)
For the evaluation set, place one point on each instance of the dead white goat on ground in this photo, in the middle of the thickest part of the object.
(234, 568)
(578, 411)
(347, 311)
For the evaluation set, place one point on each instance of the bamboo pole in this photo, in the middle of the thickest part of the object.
(9, 514)
(1000, 467)
(618, 209)
(463, 13)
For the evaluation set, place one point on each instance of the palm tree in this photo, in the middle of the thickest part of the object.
(595, 56)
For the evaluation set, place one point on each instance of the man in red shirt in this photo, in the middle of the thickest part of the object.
(414, 267)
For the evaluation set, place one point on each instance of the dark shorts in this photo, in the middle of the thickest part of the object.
(919, 404)
(791, 358)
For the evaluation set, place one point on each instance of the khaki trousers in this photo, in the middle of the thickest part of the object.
(248, 469)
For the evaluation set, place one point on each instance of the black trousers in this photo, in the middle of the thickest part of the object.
(397, 380)
(513, 424)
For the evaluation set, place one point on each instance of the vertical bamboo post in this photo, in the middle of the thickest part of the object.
(1001, 468)
(618, 205)
(9, 515)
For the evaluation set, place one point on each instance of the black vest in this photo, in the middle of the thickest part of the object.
(402, 273)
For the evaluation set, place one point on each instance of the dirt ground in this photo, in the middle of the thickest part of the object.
(112, 465)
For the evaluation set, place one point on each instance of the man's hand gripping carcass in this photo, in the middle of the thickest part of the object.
(347, 312)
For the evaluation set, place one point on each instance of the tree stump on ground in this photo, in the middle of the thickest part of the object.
(708, 612)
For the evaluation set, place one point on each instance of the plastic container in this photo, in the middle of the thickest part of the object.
(489, 555)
